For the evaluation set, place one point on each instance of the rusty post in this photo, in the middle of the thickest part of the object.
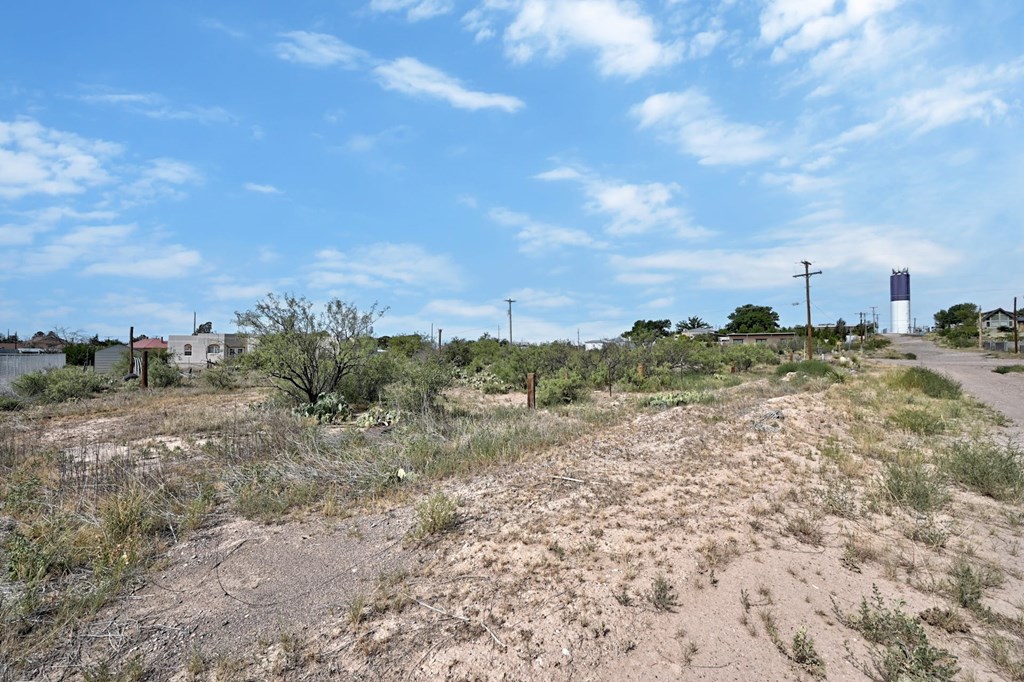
(144, 378)
(531, 390)
(131, 349)
(439, 330)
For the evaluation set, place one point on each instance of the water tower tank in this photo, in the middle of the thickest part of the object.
(899, 301)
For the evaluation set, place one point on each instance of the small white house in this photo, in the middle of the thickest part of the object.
(202, 350)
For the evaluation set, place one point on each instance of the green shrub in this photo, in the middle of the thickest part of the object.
(915, 485)
(365, 384)
(814, 368)
(988, 469)
(161, 372)
(901, 647)
(926, 381)
(681, 398)
(60, 385)
(1006, 369)
(419, 387)
(220, 376)
(435, 515)
(563, 389)
(10, 403)
(918, 421)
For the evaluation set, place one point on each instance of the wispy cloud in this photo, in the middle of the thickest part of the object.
(415, 10)
(847, 248)
(801, 25)
(623, 36)
(540, 298)
(159, 108)
(456, 308)
(319, 49)
(633, 208)
(39, 160)
(413, 77)
(384, 265)
(160, 179)
(261, 189)
(973, 94)
(536, 237)
(690, 120)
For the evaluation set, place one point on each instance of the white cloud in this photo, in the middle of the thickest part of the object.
(690, 120)
(384, 264)
(157, 107)
(166, 262)
(624, 37)
(39, 160)
(633, 208)
(230, 292)
(643, 278)
(849, 249)
(416, 10)
(799, 182)
(539, 298)
(367, 142)
(803, 25)
(261, 189)
(319, 49)
(977, 94)
(413, 77)
(461, 309)
(160, 178)
(536, 238)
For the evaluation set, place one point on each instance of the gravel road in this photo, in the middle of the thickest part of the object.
(973, 369)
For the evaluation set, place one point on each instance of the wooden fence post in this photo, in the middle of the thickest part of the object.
(531, 391)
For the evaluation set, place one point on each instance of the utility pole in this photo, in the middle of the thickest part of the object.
(1016, 324)
(874, 319)
(510, 302)
(862, 329)
(807, 284)
(981, 346)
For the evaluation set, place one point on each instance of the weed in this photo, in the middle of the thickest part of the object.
(805, 655)
(988, 469)
(693, 397)
(663, 595)
(1007, 369)
(356, 609)
(1008, 656)
(689, 652)
(557, 550)
(918, 421)
(912, 483)
(623, 597)
(926, 381)
(839, 497)
(968, 582)
(929, 531)
(806, 528)
(713, 554)
(901, 648)
(435, 515)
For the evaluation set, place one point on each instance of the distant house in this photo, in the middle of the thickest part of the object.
(203, 350)
(700, 331)
(598, 344)
(48, 342)
(997, 319)
(768, 338)
(150, 344)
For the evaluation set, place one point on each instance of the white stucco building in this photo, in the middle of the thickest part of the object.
(203, 350)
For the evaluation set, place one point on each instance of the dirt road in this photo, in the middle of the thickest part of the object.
(973, 369)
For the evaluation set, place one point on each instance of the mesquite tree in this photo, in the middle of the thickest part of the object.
(308, 351)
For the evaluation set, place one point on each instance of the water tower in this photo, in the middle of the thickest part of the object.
(899, 297)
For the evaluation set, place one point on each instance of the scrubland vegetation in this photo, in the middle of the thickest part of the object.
(99, 478)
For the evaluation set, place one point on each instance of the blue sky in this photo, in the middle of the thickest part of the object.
(598, 161)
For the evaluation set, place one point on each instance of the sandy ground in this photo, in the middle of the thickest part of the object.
(666, 547)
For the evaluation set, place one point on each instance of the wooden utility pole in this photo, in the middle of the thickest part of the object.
(862, 329)
(807, 284)
(980, 345)
(131, 350)
(1016, 324)
(510, 302)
